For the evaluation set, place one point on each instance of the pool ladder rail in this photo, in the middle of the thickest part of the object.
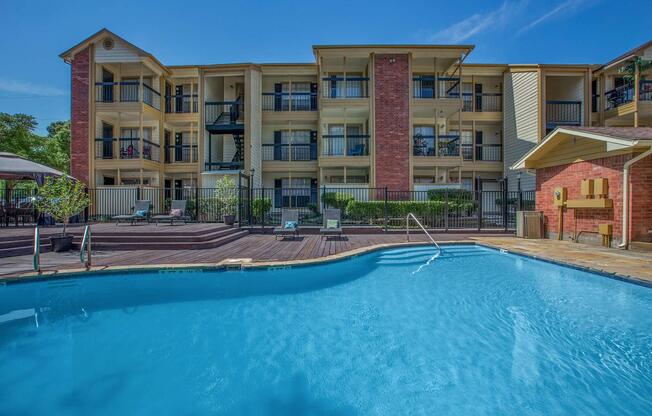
(85, 246)
(407, 229)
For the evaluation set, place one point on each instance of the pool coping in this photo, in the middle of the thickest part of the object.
(249, 264)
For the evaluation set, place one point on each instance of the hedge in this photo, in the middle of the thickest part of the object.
(338, 200)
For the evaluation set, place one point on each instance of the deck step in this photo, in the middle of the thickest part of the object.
(640, 246)
(228, 237)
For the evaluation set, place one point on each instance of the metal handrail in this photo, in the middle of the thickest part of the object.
(37, 250)
(86, 244)
(407, 229)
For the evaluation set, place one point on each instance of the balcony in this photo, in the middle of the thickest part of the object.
(284, 101)
(483, 152)
(563, 113)
(213, 166)
(127, 92)
(432, 87)
(482, 102)
(349, 145)
(182, 153)
(288, 153)
(619, 96)
(343, 88)
(181, 104)
(645, 90)
(445, 145)
(128, 149)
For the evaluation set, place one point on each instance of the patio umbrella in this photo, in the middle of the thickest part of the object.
(14, 167)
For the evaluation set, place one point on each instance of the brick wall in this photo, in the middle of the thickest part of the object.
(571, 175)
(392, 121)
(641, 209)
(79, 116)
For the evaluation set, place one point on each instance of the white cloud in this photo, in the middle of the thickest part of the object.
(9, 85)
(478, 23)
(568, 6)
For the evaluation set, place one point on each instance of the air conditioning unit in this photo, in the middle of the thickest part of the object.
(529, 224)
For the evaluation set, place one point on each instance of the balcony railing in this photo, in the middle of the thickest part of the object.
(283, 101)
(104, 148)
(349, 87)
(430, 86)
(181, 153)
(619, 96)
(181, 104)
(563, 112)
(224, 112)
(210, 166)
(489, 152)
(483, 102)
(444, 145)
(129, 148)
(127, 92)
(286, 152)
(151, 151)
(645, 90)
(349, 145)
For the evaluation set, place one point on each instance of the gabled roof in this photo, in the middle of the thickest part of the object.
(67, 55)
(627, 55)
(616, 138)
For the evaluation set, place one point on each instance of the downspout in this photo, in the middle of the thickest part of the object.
(625, 243)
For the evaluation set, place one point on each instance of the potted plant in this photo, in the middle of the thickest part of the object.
(226, 194)
(62, 198)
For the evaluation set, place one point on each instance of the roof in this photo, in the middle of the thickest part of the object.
(614, 138)
(104, 32)
(626, 55)
(16, 167)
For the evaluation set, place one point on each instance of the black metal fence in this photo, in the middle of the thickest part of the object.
(441, 209)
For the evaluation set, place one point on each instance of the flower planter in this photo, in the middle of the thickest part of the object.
(229, 219)
(61, 243)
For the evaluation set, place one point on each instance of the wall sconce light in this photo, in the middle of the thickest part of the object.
(392, 60)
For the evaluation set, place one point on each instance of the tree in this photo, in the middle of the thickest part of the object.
(629, 69)
(225, 192)
(62, 198)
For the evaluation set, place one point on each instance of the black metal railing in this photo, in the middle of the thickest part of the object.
(287, 152)
(438, 209)
(619, 96)
(489, 152)
(345, 145)
(430, 86)
(151, 151)
(127, 92)
(212, 166)
(444, 145)
(181, 153)
(181, 104)
(224, 112)
(349, 87)
(129, 148)
(645, 90)
(563, 112)
(488, 102)
(284, 101)
(104, 148)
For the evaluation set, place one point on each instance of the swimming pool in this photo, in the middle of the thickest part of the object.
(476, 331)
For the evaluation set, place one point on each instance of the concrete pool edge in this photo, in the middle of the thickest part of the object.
(249, 264)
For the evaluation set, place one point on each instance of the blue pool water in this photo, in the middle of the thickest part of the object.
(474, 332)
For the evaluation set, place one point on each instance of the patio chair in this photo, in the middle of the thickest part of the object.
(289, 224)
(332, 223)
(357, 150)
(177, 213)
(140, 212)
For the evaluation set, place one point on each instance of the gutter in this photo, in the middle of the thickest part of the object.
(625, 243)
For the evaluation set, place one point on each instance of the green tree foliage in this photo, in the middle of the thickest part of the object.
(17, 136)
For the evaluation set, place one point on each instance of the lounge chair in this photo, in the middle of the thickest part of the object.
(177, 213)
(140, 212)
(289, 224)
(332, 223)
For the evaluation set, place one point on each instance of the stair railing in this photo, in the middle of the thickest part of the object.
(86, 246)
(407, 229)
(37, 250)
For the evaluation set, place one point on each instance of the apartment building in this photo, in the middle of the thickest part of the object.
(406, 117)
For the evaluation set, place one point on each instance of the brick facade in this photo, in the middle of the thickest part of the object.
(79, 116)
(392, 121)
(571, 175)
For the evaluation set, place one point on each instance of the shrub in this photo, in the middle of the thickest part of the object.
(339, 200)
(360, 210)
(452, 195)
(62, 198)
(260, 207)
(226, 195)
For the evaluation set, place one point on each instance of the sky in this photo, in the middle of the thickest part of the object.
(34, 80)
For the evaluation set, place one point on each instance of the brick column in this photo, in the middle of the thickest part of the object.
(392, 121)
(79, 116)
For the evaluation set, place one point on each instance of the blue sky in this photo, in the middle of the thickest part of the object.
(35, 81)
